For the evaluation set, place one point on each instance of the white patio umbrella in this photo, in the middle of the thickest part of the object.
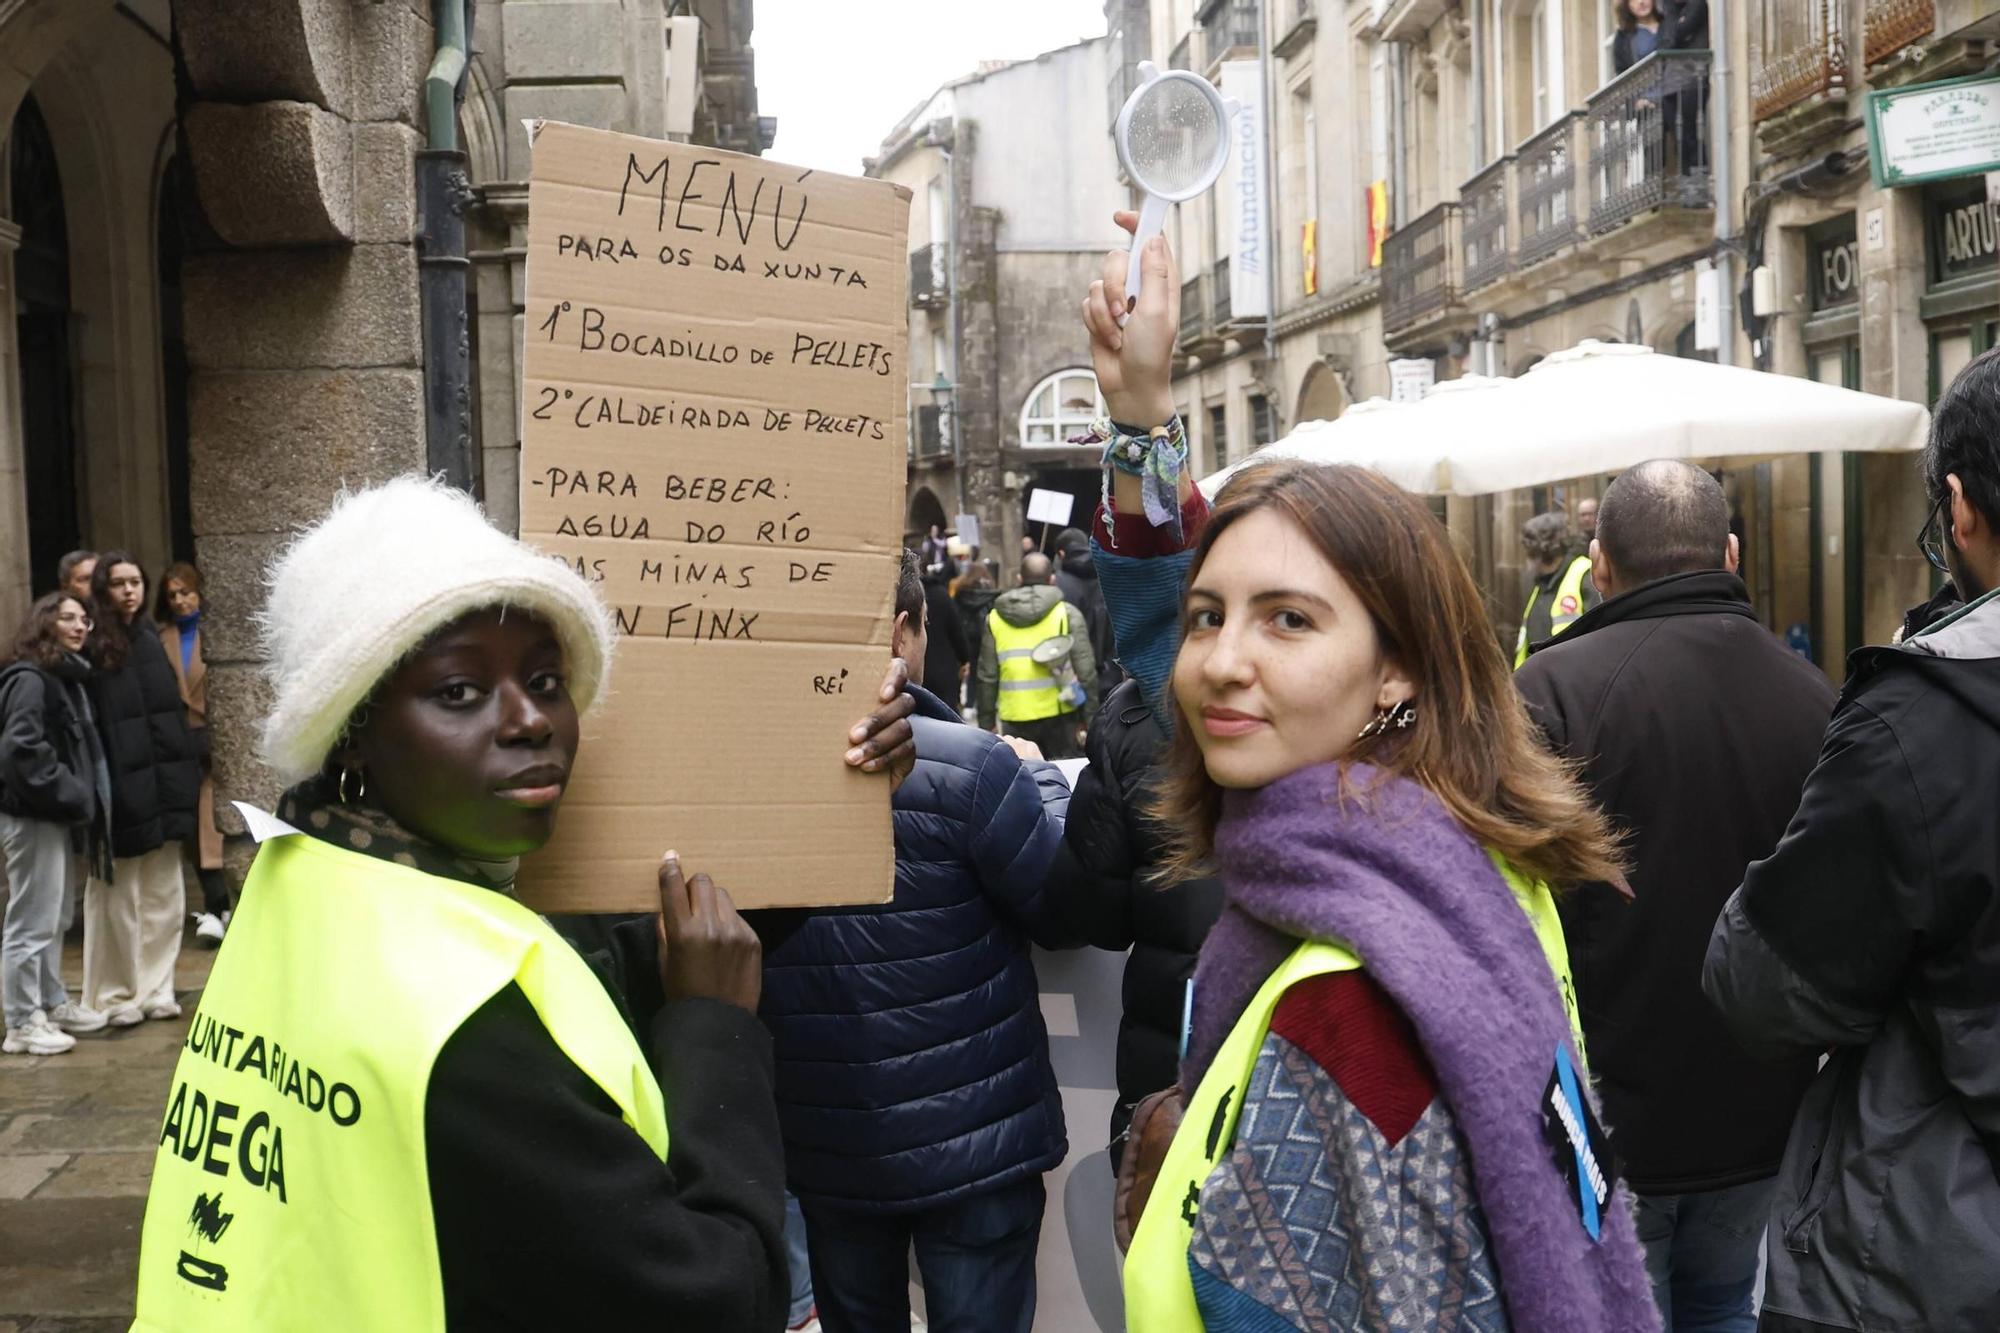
(1598, 407)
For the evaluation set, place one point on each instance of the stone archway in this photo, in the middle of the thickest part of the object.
(42, 329)
(926, 511)
(101, 78)
(1322, 396)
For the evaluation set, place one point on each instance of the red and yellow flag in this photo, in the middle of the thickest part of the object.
(1378, 220)
(1309, 252)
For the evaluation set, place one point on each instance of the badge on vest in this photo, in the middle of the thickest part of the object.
(1577, 1141)
(1568, 606)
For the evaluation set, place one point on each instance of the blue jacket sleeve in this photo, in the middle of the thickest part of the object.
(1143, 595)
(1018, 811)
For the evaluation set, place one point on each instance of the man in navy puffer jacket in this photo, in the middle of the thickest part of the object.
(914, 1085)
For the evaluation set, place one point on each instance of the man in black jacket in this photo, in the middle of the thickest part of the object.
(1874, 930)
(1695, 729)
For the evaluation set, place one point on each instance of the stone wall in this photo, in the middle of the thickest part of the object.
(305, 355)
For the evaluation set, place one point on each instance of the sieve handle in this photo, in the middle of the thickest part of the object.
(1152, 218)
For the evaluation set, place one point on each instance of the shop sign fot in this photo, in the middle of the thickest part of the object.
(713, 428)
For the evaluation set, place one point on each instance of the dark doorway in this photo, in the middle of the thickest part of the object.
(1084, 486)
(175, 208)
(45, 332)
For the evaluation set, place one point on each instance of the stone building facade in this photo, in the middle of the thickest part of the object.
(211, 237)
(1013, 183)
(1529, 197)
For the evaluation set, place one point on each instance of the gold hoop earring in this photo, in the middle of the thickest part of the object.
(361, 784)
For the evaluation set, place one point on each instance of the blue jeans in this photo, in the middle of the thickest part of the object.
(37, 855)
(976, 1256)
(1701, 1254)
(796, 1260)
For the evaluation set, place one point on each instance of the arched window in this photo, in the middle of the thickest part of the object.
(1062, 405)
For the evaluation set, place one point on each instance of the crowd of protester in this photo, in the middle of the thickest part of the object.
(1553, 994)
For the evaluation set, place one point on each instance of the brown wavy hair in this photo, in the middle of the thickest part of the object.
(36, 640)
(180, 572)
(1472, 744)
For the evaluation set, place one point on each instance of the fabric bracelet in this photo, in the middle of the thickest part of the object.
(1158, 460)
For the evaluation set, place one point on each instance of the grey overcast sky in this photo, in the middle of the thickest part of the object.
(839, 76)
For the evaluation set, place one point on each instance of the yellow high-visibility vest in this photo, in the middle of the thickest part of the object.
(1568, 607)
(1028, 691)
(291, 1190)
(1159, 1293)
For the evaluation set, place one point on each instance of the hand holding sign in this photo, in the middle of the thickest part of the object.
(707, 950)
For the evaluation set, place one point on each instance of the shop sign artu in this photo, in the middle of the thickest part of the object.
(1934, 131)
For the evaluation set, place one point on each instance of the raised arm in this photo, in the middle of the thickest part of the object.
(1140, 550)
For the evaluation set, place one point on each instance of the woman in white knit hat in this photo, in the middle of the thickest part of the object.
(405, 1102)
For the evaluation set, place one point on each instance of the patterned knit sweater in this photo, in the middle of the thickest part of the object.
(1348, 1201)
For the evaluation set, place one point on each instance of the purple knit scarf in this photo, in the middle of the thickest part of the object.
(1390, 874)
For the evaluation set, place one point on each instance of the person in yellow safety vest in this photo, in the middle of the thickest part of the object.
(1563, 589)
(1390, 1121)
(1048, 703)
(405, 1102)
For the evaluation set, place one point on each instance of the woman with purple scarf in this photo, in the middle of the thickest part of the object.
(1388, 1121)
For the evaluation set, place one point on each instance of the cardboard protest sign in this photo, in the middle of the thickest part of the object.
(713, 434)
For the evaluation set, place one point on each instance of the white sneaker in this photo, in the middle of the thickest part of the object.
(208, 928)
(124, 1016)
(73, 1017)
(163, 1009)
(37, 1038)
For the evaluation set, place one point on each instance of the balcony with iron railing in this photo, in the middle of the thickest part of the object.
(1228, 26)
(1299, 24)
(1646, 134)
(1219, 294)
(1798, 53)
(1887, 26)
(1545, 192)
(1194, 312)
(930, 283)
(1420, 268)
(1484, 225)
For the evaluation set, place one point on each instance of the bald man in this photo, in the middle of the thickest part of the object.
(1695, 730)
(1049, 702)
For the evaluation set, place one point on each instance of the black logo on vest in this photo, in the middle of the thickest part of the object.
(208, 1219)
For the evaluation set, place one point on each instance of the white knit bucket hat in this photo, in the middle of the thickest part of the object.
(382, 572)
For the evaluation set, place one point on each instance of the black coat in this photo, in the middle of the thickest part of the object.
(1684, 24)
(1874, 931)
(1103, 890)
(1695, 729)
(1078, 580)
(48, 750)
(155, 761)
(974, 602)
(946, 648)
(583, 1228)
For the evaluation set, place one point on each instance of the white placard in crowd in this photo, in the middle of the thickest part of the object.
(1049, 506)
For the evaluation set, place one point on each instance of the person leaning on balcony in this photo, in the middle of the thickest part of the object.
(1562, 589)
(1638, 32)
